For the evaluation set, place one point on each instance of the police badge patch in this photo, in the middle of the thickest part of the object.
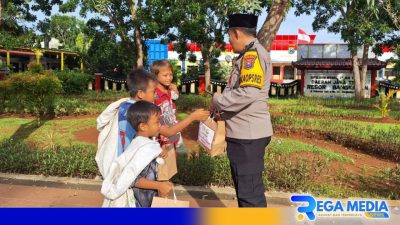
(248, 61)
(251, 74)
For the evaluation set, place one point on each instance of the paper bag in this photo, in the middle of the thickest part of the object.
(169, 168)
(212, 136)
(159, 202)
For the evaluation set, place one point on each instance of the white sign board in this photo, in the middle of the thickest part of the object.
(333, 85)
(206, 135)
(283, 56)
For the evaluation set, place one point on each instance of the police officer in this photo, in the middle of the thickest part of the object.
(243, 106)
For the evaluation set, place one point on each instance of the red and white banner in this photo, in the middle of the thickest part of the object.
(303, 37)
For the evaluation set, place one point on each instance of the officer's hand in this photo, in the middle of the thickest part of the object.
(216, 94)
(200, 115)
(211, 107)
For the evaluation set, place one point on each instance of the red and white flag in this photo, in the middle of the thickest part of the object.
(302, 37)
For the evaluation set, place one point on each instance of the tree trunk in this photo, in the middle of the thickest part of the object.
(139, 48)
(356, 72)
(207, 63)
(138, 35)
(207, 72)
(364, 68)
(1, 12)
(272, 23)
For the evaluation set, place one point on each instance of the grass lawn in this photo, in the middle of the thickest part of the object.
(288, 146)
(331, 108)
(292, 164)
(50, 132)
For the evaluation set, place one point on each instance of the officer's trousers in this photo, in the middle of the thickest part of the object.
(246, 159)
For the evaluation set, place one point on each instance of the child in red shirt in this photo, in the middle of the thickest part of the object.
(166, 92)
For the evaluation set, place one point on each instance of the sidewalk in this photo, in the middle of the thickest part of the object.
(37, 191)
(18, 190)
(34, 196)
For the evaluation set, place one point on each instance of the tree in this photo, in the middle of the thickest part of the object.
(272, 23)
(65, 28)
(132, 21)
(201, 22)
(105, 53)
(113, 17)
(357, 24)
(9, 41)
(12, 13)
(392, 8)
(204, 23)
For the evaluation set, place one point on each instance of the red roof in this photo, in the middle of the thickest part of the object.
(14, 52)
(281, 42)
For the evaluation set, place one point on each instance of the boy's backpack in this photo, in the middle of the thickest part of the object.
(107, 125)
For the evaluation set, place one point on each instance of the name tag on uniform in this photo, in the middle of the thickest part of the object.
(251, 74)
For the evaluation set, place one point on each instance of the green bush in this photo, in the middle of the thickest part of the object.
(69, 107)
(377, 139)
(220, 71)
(89, 103)
(203, 170)
(29, 92)
(75, 161)
(74, 82)
(319, 110)
(191, 102)
(280, 172)
(60, 107)
(78, 161)
(5, 89)
(35, 68)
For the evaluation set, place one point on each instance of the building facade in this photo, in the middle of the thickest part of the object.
(327, 71)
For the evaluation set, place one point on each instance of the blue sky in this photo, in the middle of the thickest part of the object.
(289, 26)
(291, 23)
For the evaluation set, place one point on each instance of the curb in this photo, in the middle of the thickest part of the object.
(199, 192)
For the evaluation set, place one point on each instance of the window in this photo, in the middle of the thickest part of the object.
(288, 73)
(276, 70)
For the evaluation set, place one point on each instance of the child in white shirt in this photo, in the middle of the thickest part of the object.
(132, 178)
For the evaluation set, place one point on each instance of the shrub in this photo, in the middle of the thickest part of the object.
(280, 173)
(283, 173)
(203, 170)
(377, 140)
(5, 88)
(384, 102)
(68, 107)
(73, 82)
(33, 92)
(76, 161)
(190, 102)
(34, 67)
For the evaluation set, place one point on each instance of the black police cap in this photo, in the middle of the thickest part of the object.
(243, 20)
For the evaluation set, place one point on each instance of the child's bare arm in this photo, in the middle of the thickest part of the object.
(174, 88)
(163, 188)
(199, 115)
